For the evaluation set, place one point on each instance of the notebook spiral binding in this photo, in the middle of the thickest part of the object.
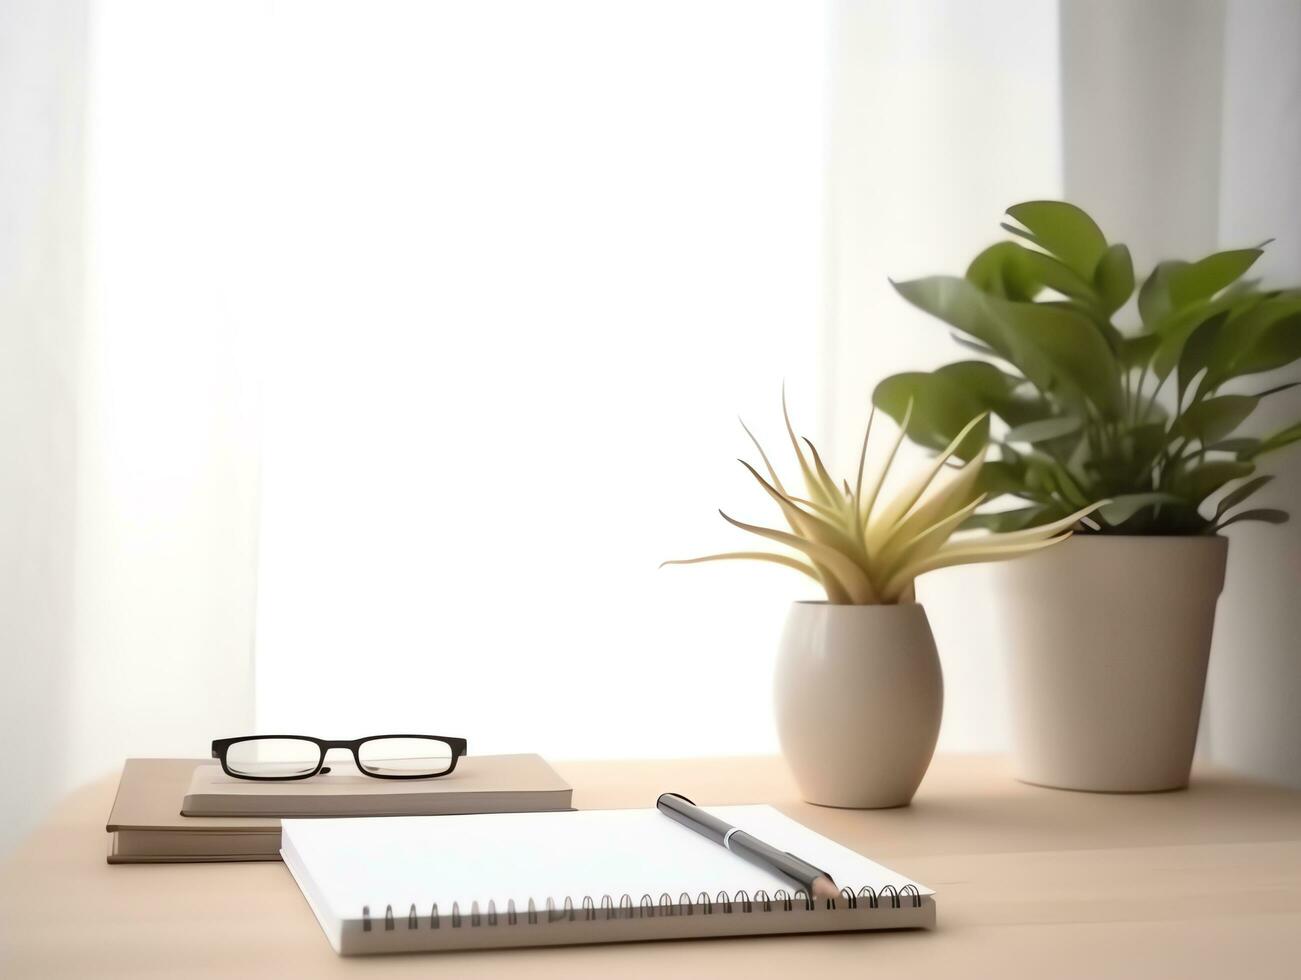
(589, 910)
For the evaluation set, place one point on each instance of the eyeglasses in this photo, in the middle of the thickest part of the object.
(282, 757)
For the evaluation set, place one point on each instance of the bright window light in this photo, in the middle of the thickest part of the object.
(522, 266)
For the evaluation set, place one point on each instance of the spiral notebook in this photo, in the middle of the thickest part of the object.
(401, 884)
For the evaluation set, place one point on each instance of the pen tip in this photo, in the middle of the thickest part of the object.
(823, 887)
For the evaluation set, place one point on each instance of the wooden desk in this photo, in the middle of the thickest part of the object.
(1031, 882)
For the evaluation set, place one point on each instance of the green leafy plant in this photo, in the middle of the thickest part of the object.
(1138, 417)
(864, 549)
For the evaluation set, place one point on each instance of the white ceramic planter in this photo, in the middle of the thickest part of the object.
(859, 696)
(1107, 641)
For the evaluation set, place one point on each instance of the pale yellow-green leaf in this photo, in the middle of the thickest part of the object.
(830, 513)
(1046, 530)
(841, 566)
(927, 542)
(862, 459)
(879, 481)
(950, 555)
(787, 560)
(813, 489)
(826, 531)
(884, 525)
(772, 473)
(942, 500)
(825, 480)
(986, 547)
(835, 592)
(807, 525)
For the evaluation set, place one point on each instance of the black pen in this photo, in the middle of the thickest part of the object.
(816, 882)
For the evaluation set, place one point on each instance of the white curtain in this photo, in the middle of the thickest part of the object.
(42, 85)
(129, 428)
(361, 362)
(1255, 682)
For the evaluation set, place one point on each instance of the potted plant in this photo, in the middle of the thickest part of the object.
(865, 658)
(1108, 637)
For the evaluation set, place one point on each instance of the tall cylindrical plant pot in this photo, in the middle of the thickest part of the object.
(859, 696)
(1107, 641)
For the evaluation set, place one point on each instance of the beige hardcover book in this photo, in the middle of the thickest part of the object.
(147, 827)
(480, 784)
(592, 876)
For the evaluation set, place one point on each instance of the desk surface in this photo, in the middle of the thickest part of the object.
(1030, 882)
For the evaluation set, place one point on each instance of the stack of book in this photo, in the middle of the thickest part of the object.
(187, 810)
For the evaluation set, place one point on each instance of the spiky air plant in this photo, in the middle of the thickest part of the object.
(864, 549)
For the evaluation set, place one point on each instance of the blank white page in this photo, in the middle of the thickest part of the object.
(521, 856)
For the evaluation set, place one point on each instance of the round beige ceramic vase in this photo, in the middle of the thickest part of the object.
(1107, 641)
(859, 696)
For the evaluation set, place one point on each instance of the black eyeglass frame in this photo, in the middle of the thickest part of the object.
(221, 746)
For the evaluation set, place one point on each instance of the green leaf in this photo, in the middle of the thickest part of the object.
(1154, 303)
(1053, 346)
(1284, 437)
(1177, 328)
(1176, 298)
(1065, 231)
(1268, 515)
(1000, 477)
(1206, 277)
(1145, 443)
(1058, 345)
(1001, 521)
(1114, 278)
(1245, 286)
(987, 382)
(1135, 352)
(1278, 346)
(1047, 475)
(1215, 418)
(1199, 483)
(1002, 269)
(1240, 493)
(997, 391)
(1277, 388)
(1244, 447)
(1120, 509)
(974, 345)
(1262, 333)
(1198, 350)
(941, 408)
(1044, 429)
(1057, 275)
(960, 304)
